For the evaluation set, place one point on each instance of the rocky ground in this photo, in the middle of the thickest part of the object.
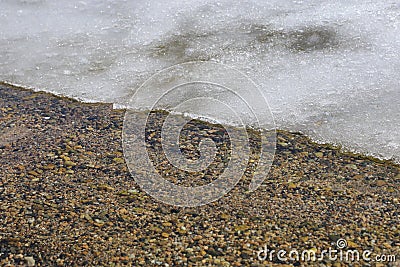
(67, 198)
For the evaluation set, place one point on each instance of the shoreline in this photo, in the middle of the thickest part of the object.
(68, 198)
(340, 148)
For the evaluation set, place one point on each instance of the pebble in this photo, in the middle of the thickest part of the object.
(165, 235)
(69, 163)
(319, 154)
(380, 183)
(119, 160)
(30, 261)
(33, 173)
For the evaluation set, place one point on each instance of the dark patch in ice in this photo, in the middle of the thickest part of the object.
(299, 40)
(312, 39)
(251, 38)
(184, 47)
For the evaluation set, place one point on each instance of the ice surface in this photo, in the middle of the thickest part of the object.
(328, 68)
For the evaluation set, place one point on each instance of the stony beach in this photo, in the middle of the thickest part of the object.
(68, 198)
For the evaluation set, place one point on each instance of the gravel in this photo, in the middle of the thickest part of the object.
(67, 198)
